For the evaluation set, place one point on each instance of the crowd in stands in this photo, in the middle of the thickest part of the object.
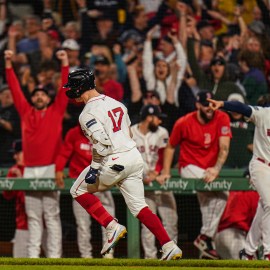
(158, 52)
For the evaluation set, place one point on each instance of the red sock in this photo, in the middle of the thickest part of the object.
(94, 208)
(153, 223)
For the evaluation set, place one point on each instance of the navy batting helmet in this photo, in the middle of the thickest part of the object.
(79, 81)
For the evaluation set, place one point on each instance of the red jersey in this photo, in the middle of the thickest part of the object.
(19, 196)
(240, 210)
(76, 149)
(41, 130)
(113, 89)
(199, 143)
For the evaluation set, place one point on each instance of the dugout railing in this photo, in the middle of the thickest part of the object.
(229, 179)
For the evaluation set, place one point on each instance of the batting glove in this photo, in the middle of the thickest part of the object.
(91, 176)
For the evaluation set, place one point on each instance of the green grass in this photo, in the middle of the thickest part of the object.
(75, 267)
(121, 264)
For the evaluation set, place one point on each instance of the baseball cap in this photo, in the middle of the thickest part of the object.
(203, 96)
(257, 27)
(236, 97)
(218, 60)
(16, 146)
(151, 110)
(100, 59)
(39, 89)
(71, 44)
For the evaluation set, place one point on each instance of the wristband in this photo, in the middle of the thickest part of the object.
(95, 165)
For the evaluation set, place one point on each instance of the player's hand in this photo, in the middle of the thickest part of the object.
(91, 176)
(150, 177)
(59, 179)
(210, 174)
(161, 179)
(215, 104)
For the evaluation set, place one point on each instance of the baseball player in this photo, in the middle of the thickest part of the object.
(41, 135)
(259, 168)
(151, 140)
(78, 151)
(235, 223)
(204, 139)
(116, 161)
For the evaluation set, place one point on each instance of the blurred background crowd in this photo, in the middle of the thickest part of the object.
(143, 52)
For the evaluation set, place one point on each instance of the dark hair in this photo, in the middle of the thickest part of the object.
(252, 59)
(264, 100)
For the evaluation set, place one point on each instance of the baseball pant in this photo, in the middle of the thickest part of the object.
(212, 204)
(39, 206)
(164, 203)
(83, 222)
(129, 181)
(20, 243)
(229, 242)
(260, 228)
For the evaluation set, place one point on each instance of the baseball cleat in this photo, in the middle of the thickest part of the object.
(114, 232)
(171, 252)
(204, 244)
(266, 257)
(245, 256)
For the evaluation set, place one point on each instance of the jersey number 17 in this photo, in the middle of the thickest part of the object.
(116, 116)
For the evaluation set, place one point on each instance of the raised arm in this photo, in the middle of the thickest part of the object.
(136, 92)
(61, 99)
(20, 101)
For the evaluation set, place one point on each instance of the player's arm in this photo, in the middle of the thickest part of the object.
(94, 130)
(233, 106)
(212, 173)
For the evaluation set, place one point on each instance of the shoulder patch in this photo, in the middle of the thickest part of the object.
(91, 123)
(225, 130)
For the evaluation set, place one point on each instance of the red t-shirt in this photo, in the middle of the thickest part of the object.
(76, 149)
(113, 89)
(19, 196)
(240, 210)
(199, 143)
(41, 130)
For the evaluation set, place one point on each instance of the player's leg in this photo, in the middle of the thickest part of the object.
(147, 238)
(52, 220)
(168, 212)
(20, 243)
(260, 175)
(107, 201)
(132, 190)
(33, 209)
(212, 206)
(83, 223)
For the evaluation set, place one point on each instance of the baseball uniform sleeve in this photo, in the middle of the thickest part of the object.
(224, 128)
(257, 113)
(163, 139)
(175, 137)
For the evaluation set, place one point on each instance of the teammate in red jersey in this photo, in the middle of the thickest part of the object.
(204, 139)
(235, 223)
(41, 136)
(78, 151)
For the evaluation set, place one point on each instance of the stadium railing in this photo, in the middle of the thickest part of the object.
(229, 179)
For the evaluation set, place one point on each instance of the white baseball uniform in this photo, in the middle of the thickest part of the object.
(259, 168)
(164, 202)
(104, 115)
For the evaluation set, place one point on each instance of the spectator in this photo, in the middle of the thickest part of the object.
(77, 151)
(40, 147)
(10, 128)
(104, 84)
(157, 75)
(254, 80)
(204, 139)
(235, 223)
(151, 140)
(73, 51)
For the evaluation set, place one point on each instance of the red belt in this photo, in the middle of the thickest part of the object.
(263, 161)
